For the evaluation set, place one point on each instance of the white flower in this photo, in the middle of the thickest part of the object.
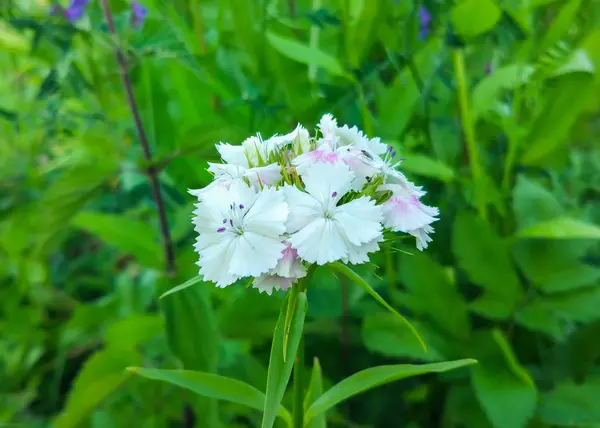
(336, 137)
(321, 230)
(404, 212)
(268, 283)
(422, 235)
(233, 155)
(327, 124)
(240, 232)
(358, 254)
(288, 270)
(299, 138)
(225, 174)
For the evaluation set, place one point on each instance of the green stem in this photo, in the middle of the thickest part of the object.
(298, 387)
(298, 392)
(513, 140)
(469, 130)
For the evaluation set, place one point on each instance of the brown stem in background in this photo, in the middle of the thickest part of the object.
(152, 172)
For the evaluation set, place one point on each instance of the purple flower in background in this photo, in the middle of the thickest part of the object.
(138, 15)
(75, 10)
(73, 13)
(424, 21)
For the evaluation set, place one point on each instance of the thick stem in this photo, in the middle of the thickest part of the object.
(152, 172)
(298, 391)
(469, 131)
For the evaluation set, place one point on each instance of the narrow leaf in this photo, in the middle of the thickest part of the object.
(305, 54)
(212, 386)
(373, 377)
(561, 228)
(350, 274)
(315, 389)
(183, 286)
(279, 371)
(102, 374)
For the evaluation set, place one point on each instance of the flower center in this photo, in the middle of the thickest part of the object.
(235, 222)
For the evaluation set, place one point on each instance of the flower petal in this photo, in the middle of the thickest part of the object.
(320, 242)
(303, 208)
(268, 175)
(404, 212)
(215, 260)
(255, 254)
(268, 283)
(323, 180)
(422, 236)
(358, 254)
(234, 155)
(360, 220)
(268, 215)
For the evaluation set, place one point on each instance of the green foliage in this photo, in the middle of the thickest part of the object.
(212, 386)
(372, 377)
(283, 355)
(506, 148)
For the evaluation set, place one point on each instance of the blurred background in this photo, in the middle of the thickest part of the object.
(493, 103)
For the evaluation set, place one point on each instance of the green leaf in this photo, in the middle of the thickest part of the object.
(463, 410)
(305, 54)
(183, 286)
(279, 371)
(427, 167)
(314, 391)
(502, 385)
(484, 256)
(134, 330)
(553, 314)
(471, 18)
(193, 336)
(102, 374)
(359, 33)
(507, 401)
(510, 358)
(67, 195)
(561, 228)
(11, 40)
(533, 203)
(373, 377)
(384, 334)
(130, 236)
(212, 386)
(397, 103)
(350, 274)
(191, 328)
(561, 25)
(433, 293)
(553, 267)
(490, 88)
(570, 404)
(565, 100)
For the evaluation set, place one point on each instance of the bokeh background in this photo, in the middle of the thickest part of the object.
(493, 103)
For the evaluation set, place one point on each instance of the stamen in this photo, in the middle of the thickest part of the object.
(224, 220)
(221, 229)
(394, 154)
(231, 222)
(334, 194)
(241, 206)
(389, 149)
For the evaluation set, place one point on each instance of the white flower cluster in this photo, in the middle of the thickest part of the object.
(278, 205)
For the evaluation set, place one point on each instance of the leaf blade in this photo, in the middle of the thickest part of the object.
(375, 376)
(350, 274)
